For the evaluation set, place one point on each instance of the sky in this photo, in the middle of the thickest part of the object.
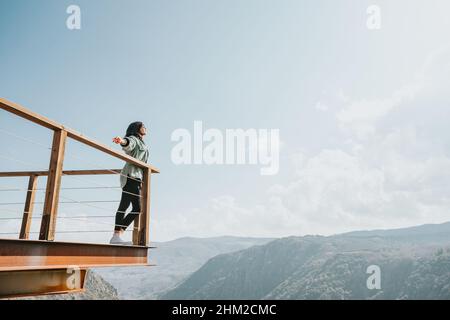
(362, 113)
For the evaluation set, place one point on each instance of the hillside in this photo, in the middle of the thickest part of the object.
(175, 261)
(414, 263)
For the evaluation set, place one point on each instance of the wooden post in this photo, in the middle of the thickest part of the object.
(141, 223)
(136, 230)
(144, 223)
(28, 209)
(53, 185)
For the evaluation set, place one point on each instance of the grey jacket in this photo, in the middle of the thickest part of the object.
(135, 148)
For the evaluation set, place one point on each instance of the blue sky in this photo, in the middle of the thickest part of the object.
(311, 69)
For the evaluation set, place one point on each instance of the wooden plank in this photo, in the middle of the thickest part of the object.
(36, 254)
(144, 224)
(53, 186)
(136, 228)
(80, 138)
(65, 173)
(135, 235)
(28, 209)
(14, 174)
(140, 227)
(20, 111)
(91, 172)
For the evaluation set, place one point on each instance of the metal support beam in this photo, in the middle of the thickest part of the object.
(15, 284)
(18, 255)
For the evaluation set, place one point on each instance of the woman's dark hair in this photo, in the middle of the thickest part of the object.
(133, 129)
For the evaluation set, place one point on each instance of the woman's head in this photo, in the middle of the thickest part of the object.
(136, 129)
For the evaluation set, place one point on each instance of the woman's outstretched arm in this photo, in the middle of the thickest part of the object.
(128, 143)
(122, 141)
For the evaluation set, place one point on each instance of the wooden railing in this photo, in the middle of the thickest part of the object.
(55, 173)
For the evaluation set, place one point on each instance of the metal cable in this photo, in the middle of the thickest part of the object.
(78, 218)
(102, 223)
(93, 182)
(13, 211)
(84, 218)
(66, 175)
(99, 167)
(24, 139)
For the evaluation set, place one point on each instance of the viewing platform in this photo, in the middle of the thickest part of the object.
(45, 266)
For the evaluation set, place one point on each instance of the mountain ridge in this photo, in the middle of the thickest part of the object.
(332, 267)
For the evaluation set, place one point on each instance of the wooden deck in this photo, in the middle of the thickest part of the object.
(39, 254)
(35, 267)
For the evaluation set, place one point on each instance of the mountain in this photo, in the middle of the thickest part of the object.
(428, 233)
(414, 264)
(175, 261)
(96, 288)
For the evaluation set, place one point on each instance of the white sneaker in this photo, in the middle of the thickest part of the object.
(116, 239)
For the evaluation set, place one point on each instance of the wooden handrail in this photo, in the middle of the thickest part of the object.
(80, 138)
(28, 114)
(50, 124)
(65, 173)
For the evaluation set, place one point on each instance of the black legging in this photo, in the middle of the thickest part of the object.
(130, 195)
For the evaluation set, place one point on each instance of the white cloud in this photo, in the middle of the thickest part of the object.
(321, 106)
(392, 171)
(333, 192)
(360, 117)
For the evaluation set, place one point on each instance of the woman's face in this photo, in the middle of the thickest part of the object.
(143, 130)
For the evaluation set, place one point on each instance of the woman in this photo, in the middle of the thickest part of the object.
(130, 179)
